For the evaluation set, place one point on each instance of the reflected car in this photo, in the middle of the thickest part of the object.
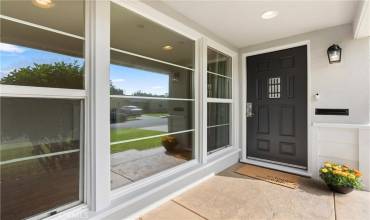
(121, 114)
(131, 110)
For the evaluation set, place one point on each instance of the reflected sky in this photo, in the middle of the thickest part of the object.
(130, 80)
(14, 57)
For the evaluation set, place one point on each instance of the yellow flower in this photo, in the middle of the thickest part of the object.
(344, 174)
(324, 170)
(351, 176)
(327, 164)
(337, 172)
(337, 168)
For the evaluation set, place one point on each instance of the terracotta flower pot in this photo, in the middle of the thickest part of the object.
(340, 189)
(169, 143)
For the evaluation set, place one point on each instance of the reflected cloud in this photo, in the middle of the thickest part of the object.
(118, 80)
(9, 48)
(157, 87)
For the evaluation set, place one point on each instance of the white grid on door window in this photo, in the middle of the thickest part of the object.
(274, 88)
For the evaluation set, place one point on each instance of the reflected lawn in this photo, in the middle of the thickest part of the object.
(119, 134)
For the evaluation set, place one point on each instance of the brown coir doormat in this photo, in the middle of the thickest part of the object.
(272, 176)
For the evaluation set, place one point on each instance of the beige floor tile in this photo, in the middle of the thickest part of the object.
(224, 197)
(353, 206)
(171, 211)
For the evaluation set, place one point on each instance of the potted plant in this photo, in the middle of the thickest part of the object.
(169, 142)
(340, 178)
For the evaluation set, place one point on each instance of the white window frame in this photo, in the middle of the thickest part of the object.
(233, 101)
(167, 22)
(18, 91)
(98, 196)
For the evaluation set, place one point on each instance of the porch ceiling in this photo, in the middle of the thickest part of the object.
(240, 23)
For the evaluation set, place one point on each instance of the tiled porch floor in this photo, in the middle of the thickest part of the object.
(232, 196)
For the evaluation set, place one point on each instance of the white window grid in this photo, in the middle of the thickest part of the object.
(17, 91)
(192, 71)
(221, 100)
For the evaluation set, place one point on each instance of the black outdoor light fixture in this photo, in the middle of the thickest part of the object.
(334, 53)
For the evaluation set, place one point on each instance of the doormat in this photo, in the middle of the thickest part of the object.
(268, 175)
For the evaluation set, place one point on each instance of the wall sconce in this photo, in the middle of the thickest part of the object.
(334, 54)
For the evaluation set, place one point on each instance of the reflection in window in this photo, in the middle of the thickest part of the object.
(219, 82)
(136, 76)
(150, 115)
(152, 101)
(218, 63)
(39, 58)
(217, 137)
(149, 156)
(218, 130)
(40, 147)
(25, 66)
(41, 138)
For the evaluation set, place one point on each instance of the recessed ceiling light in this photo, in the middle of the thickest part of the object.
(269, 14)
(43, 3)
(167, 47)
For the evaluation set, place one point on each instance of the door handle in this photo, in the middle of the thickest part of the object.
(249, 110)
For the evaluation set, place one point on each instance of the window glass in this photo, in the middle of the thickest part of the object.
(66, 16)
(219, 79)
(218, 114)
(146, 157)
(218, 63)
(219, 86)
(137, 118)
(218, 137)
(137, 34)
(135, 76)
(40, 155)
(152, 97)
(33, 56)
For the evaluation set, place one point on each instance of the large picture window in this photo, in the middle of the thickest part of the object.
(41, 143)
(219, 81)
(152, 98)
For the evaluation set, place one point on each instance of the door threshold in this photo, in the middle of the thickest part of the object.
(279, 167)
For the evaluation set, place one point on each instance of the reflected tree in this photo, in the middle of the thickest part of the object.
(147, 94)
(55, 75)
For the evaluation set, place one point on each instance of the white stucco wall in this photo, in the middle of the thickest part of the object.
(341, 139)
(342, 85)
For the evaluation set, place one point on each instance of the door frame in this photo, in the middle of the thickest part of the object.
(311, 159)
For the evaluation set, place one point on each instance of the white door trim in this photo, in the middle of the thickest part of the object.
(311, 152)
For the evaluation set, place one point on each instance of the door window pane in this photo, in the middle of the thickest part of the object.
(40, 155)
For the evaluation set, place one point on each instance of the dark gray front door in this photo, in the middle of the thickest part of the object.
(277, 95)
